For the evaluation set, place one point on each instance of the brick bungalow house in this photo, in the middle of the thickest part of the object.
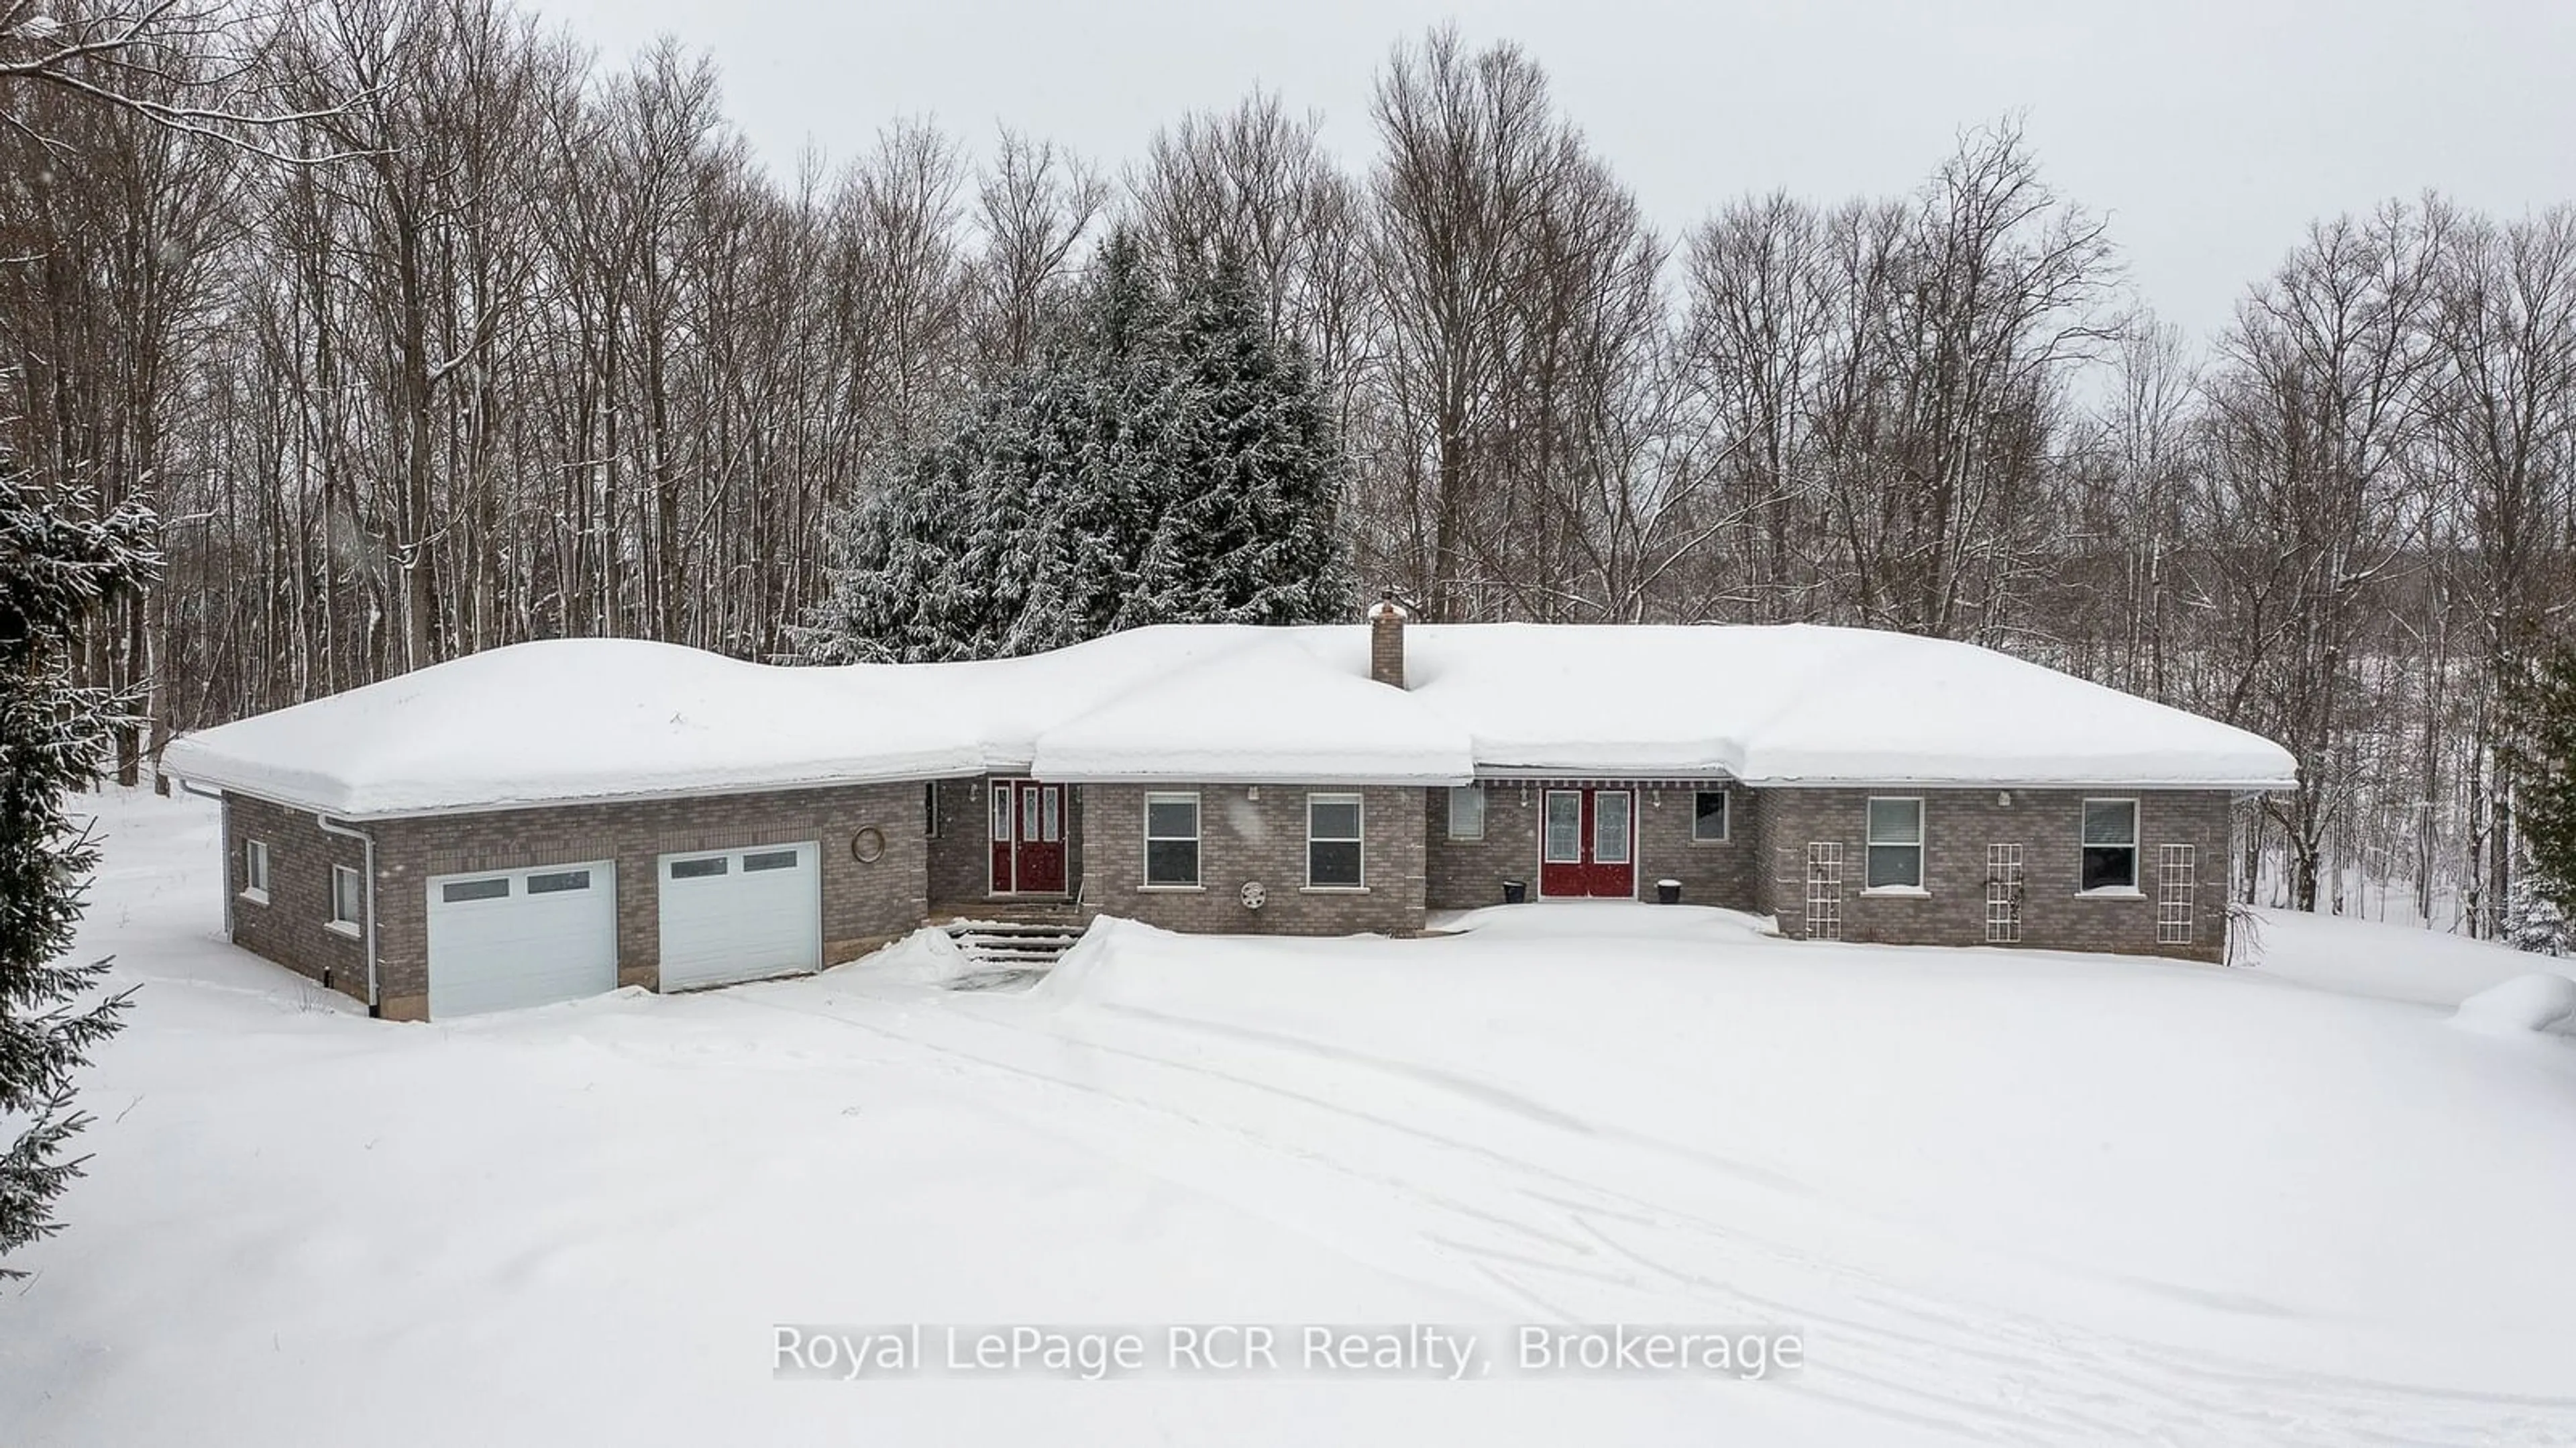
(554, 819)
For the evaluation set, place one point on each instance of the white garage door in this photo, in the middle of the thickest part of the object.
(502, 939)
(731, 915)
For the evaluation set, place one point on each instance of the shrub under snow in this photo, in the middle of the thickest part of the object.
(2527, 1003)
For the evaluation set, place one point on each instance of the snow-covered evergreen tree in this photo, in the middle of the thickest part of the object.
(2533, 922)
(2542, 761)
(900, 575)
(1164, 459)
(1247, 532)
(57, 560)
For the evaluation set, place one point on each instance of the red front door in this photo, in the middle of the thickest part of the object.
(1028, 837)
(1588, 844)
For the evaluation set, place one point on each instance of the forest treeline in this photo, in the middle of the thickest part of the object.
(474, 338)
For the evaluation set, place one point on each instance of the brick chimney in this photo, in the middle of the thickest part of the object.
(1386, 640)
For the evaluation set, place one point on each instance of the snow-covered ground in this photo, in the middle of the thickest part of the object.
(2001, 1197)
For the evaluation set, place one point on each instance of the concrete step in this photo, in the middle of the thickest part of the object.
(1017, 944)
(1050, 937)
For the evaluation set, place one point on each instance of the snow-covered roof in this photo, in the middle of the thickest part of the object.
(1804, 704)
(542, 723)
(1263, 711)
(579, 719)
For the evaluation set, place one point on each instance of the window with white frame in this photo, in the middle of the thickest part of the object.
(348, 896)
(255, 869)
(1333, 841)
(1708, 815)
(930, 809)
(1171, 839)
(1467, 812)
(1561, 839)
(1895, 845)
(2110, 844)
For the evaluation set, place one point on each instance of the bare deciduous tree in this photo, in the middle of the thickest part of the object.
(547, 350)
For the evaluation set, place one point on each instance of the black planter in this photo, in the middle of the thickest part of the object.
(1515, 892)
(1668, 892)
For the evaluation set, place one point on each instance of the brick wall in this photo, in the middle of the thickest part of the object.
(1244, 839)
(864, 903)
(961, 857)
(1464, 874)
(1712, 872)
(1958, 826)
(292, 928)
(1410, 862)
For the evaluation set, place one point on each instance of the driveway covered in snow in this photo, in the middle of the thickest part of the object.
(2003, 1197)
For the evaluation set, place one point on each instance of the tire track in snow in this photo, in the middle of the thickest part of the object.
(2150, 1369)
(2329, 1391)
(1485, 1262)
(1502, 1268)
(2051, 1383)
(2041, 1343)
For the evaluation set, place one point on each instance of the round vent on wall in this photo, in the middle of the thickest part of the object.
(1255, 895)
(868, 845)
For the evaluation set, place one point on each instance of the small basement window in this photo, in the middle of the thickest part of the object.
(1708, 815)
(255, 870)
(769, 860)
(557, 882)
(2110, 844)
(457, 892)
(1171, 839)
(348, 895)
(698, 869)
(1467, 812)
(1333, 841)
(1895, 845)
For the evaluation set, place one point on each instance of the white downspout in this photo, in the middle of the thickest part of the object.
(223, 851)
(366, 842)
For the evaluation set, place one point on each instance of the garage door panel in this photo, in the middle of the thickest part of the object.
(505, 939)
(740, 914)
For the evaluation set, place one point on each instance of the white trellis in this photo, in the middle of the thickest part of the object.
(1825, 890)
(2003, 894)
(2177, 879)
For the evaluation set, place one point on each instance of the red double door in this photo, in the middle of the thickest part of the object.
(1028, 837)
(1588, 844)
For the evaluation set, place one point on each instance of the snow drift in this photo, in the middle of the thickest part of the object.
(2538, 1003)
(928, 956)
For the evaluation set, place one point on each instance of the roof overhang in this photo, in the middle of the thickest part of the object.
(1535, 773)
(728, 790)
(2221, 786)
(1319, 778)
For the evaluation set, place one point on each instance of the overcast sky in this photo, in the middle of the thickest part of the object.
(2209, 132)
